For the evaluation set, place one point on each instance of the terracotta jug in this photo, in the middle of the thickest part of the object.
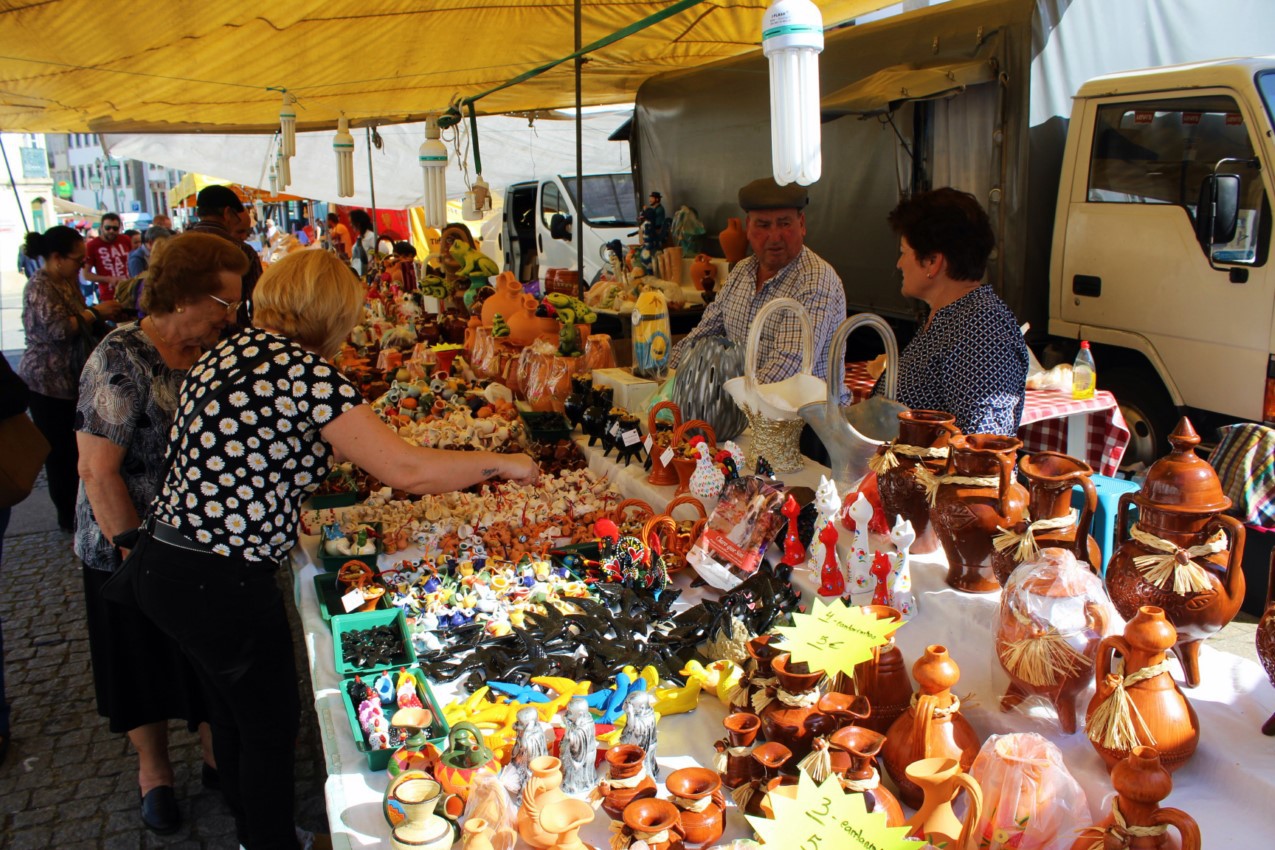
(1266, 641)
(758, 674)
(975, 497)
(542, 788)
(940, 780)
(703, 272)
(1049, 519)
(734, 241)
(627, 779)
(933, 726)
(1135, 664)
(861, 776)
(1053, 615)
(922, 441)
(884, 679)
(525, 325)
(790, 714)
(697, 793)
(656, 822)
(771, 757)
(1141, 783)
(476, 834)
(1183, 532)
(506, 300)
(564, 819)
(417, 797)
(734, 759)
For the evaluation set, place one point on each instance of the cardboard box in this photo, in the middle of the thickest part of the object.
(631, 393)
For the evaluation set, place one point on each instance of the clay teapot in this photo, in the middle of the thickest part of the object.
(1050, 521)
(1156, 709)
(922, 441)
(696, 791)
(860, 775)
(1141, 783)
(1266, 641)
(933, 725)
(1183, 554)
(974, 498)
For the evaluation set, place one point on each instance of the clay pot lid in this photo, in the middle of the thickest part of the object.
(1182, 481)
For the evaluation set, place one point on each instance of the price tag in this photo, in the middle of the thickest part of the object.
(631, 437)
(352, 600)
(824, 817)
(647, 443)
(835, 637)
(667, 457)
(614, 429)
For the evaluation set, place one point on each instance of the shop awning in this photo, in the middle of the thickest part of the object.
(70, 209)
(888, 88)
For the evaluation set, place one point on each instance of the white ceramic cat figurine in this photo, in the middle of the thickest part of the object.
(901, 597)
(827, 508)
(859, 559)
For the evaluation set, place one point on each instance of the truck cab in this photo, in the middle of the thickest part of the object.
(1161, 244)
(542, 220)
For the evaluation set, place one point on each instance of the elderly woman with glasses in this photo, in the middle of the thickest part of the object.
(128, 395)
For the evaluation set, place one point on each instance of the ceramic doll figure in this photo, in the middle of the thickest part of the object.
(859, 561)
(827, 508)
(639, 727)
(832, 581)
(405, 693)
(881, 568)
(529, 743)
(579, 749)
(901, 597)
(794, 552)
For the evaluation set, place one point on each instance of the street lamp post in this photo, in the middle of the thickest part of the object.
(95, 183)
(113, 178)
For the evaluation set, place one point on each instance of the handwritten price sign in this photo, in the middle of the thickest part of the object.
(823, 817)
(834, 637)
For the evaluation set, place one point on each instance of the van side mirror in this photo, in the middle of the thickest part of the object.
(560, 226)
(1217, 213)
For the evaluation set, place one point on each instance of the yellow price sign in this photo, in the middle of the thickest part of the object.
(823, 817)
(835, 637)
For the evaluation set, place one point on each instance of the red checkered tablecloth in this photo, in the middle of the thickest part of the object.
(1046, 418)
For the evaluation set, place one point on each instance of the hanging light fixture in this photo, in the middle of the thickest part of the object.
(288, 125)
(343, 144)
(283, 169)
(433, 160)
(274, 181)
(792, 39)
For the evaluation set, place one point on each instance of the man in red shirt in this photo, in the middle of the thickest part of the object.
(106, 258)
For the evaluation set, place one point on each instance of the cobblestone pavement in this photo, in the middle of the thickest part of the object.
(68, 783)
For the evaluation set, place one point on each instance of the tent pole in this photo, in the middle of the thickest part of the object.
(579, 226)
(18, 197)
(371, 183)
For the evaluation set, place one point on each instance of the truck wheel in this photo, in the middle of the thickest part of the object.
(1147, 409)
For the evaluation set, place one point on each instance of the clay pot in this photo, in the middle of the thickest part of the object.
(734, 241)
(506, 300)
(525, 325)
(1266, 640)
(933, 726)
(1181, 503)
(1053, 615)
(542, 788)
(941, 779)
(1162, 714)
(734, 761)
(884, 679)
(1050, 479)
(657, 822)
(696, 791)
(1141, 783)
(861, 745)
(625, 762)
(901, 495)
(564, 819)
(703, 272)
(476, 834)
(577, 402)
(792, 717)
(966, 516)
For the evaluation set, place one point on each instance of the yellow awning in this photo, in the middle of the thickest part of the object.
(190, 185)
(191, 67)
(887, 88)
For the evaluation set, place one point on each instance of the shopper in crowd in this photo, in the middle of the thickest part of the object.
(258, 421)
(13, 402)
(404, 272)
(61, 331)
(364, 241)
(108, 257)
(968, 357)
(162, 220)
(133, 239)
(221, 213)
(339, 236)
(128, 395)
(780, 266)
(139, 259)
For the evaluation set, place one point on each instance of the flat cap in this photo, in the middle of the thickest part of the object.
(766, 194)
(217, 197)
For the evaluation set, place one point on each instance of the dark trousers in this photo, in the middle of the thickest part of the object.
(55, 417)
(228, 617)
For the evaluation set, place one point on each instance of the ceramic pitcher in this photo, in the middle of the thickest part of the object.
(1050, 519)
(923, 441)
(1141, 784)
(940, 780)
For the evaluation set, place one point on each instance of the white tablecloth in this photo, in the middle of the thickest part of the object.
(1228, 786)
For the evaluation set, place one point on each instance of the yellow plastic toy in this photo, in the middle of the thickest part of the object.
(679, 700)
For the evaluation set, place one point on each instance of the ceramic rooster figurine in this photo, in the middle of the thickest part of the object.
(881, 572)
(707, 480)
(901, 597)
(794, 552)
(832, 581)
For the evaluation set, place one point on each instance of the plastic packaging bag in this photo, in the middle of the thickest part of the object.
(1030, 800)
(490, 803)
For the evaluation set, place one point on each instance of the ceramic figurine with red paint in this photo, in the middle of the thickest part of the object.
(832, 581)
(881, 569)
(794, 552)
(827, 507)
(859, 561)
(901, 597)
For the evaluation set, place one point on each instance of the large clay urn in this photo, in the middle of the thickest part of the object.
(697, 793)
(1183, 554)
(542, 788)
(922, 442)
(525, 325)
(861, 776)
(1157, 712)
(656, 822)
(734, 241)
(883, 679)
(976, 496)
(1141, 783)
(506, 300)
(757, 677)
(792, 716)
(734, 759)
(627, 779)
(1051, 476)
(933, 726)
(1266, 641)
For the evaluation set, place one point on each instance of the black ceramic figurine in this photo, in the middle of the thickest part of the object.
(578, 402)
(594, 419)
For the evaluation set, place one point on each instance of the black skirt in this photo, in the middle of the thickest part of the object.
(140, 675)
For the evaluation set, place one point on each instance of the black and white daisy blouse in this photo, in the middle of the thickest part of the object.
(245, 464)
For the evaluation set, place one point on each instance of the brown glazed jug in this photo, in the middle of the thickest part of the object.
(933, 726)
(922, 441)
(1266, 641)
(861, 776)
(734, 759)
(734, 241)
(1181, 526)
(1141, 783)
(1135, 664)
(791, 714)
(1050, 479)
(884, 678)
(697, 793)
(976, 496)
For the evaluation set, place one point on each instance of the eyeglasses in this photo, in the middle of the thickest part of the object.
(232, 307)
(104, 227)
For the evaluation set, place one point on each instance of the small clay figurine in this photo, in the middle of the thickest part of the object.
(794, 552)
(832, 581)
(860, 560)
(529, 743)
(881, 572)
(579, 748)
(405, 693)
(639, 727)
(384, 686)
(901, 597)
(828, 505)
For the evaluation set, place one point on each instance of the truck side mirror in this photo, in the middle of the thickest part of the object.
(1217, 213)
(560, 226)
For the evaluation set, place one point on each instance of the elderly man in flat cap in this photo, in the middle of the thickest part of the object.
(780, 266)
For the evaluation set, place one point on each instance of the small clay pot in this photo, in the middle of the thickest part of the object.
(649, 817)
(625, 761)
(693, 788)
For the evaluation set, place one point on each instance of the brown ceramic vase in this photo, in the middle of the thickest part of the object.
(656, 822)
(1141, 783)
(759, 674)
(792, 717)
(1180, 502)
(697, 793)
(1160, 712)
(624, 763)
(1051, 476)
(933, 726)
(884, 678)
(735, 763)
(862, 745)
(901, 495)
(1266, 641)
(966, 516)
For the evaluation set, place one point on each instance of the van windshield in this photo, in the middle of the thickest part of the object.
(609, 199)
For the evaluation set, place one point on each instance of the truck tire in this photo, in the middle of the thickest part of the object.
(1147, 408)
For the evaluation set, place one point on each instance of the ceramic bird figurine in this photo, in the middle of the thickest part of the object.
(859, 561)
(707, 480)
(827, 506)
(901, 597)
(794, 552)
(832, 581)
(679, 700)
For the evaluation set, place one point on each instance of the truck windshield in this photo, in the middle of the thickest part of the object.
(1266, 85)
(609, 199)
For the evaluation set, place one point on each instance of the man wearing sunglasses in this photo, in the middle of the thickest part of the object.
(107, 258)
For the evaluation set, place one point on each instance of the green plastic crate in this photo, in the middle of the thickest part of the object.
(342, 623)
(332, 563)
(333, 500)
(378, 760)
(330, 598)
